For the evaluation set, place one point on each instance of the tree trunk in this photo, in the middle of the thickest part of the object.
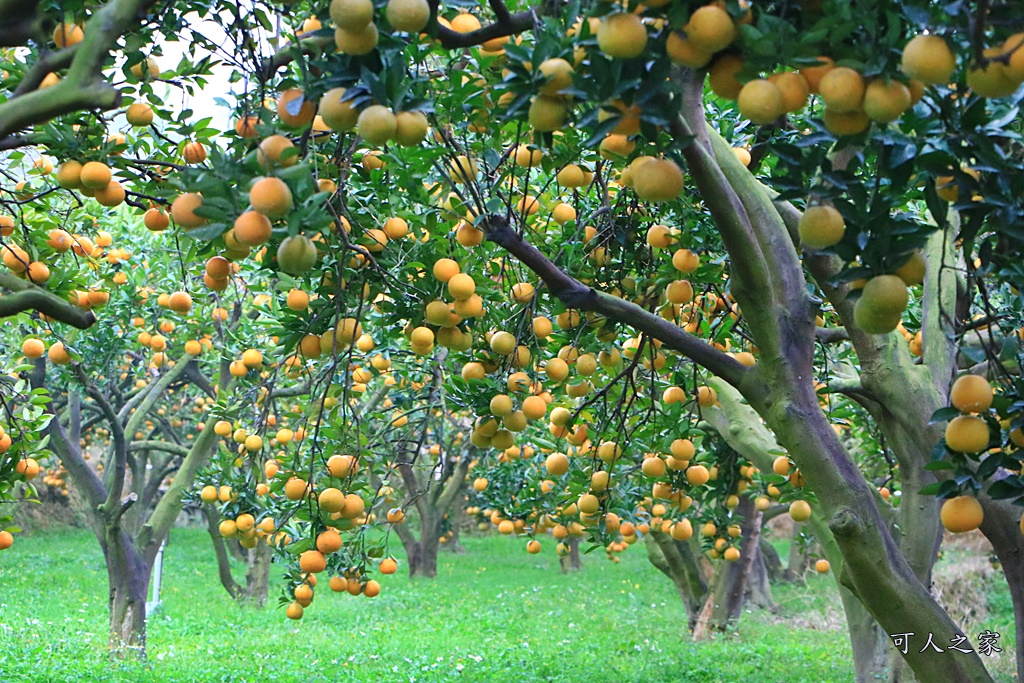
(257, 577)
(759, 588)
(1001, 528)
(423, 559)
(220, 552)
(678, 561)
(797, 562)
(731, 577)
(571, 562)
(871, 646)
(453, 545)
(128, 579)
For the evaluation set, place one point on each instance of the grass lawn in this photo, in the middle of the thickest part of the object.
(495, 614)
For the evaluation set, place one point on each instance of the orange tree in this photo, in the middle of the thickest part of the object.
(900, 177)
(127, 418)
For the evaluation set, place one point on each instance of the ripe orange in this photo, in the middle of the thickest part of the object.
(156, 220)
(66, 35)
(294, 109)
(251, 229)
(557, 464)
(658, 180)
(722, 76)
(800, 510)
(408, 16)
(822, 566)
(271, 196)
(180, 302)
(376, 124)
(6, 540)
(967, 434)
(329, 541)
(697, 475)
(842, 89)
(546, 113)
(359, 42)
(33, 348)
(95, 175)
(927, 58)
(761, 101)
(193, 153)
(622, 36)
(271, 152)
(711, 29)
(970, 394)
(410, 128)
(351, 15)
(961, 514)
(821, 227)
(312, 561)
(794, 89)
(885, 101)
(245, 127)
(183, 210)
(139, 114)
(297, 300)
(58, 355)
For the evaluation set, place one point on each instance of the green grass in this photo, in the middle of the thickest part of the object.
(495, 614)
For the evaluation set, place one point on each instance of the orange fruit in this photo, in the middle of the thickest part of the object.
(271, 196)
(271, 152)
(961, 514)
(622, 36)
(971, 394)
(761, 101)
(294, 109)
(183, 210)
(927, 58)
(33, 348)
(821, 227)
(842, 89)
(156, 219)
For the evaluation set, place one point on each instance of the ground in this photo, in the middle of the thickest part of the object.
(495, 614)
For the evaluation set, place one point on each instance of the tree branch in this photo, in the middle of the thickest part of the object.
(160, 522)
(83, 87)
(163, 446)
(506, 25)
(30, 297)
(120, 448)
(575, 294)
(831, 335)
(70, 452)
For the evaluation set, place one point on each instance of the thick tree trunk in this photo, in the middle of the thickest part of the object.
(1001, 528)
(872, 648)
(874, 568)
(128, 579)
(572, 562)
(257, 577)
